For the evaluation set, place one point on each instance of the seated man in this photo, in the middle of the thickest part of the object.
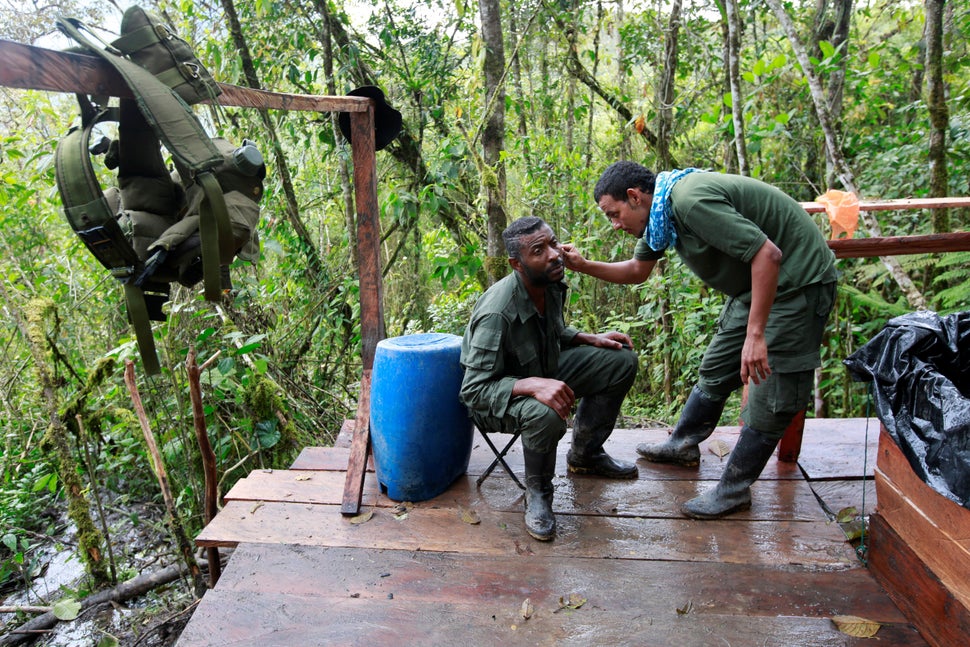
(524, 369)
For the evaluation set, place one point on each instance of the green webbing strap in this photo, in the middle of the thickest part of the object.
(169, 116)
(215, 233)
(142, 325)
(87, 211)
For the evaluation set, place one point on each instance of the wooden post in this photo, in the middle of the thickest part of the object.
(371, 296)
(790, 445)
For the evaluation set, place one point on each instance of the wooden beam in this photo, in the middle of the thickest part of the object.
(898, 205)
(36, 68)
(899, 245)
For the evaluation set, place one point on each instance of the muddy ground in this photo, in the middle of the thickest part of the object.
(140, 544)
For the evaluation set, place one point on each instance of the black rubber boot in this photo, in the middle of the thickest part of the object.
(593, 424)
(697, 422)
(540, 522)
(733, 492)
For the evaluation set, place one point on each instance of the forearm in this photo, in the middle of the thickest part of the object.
(626, 272)
(765, 267)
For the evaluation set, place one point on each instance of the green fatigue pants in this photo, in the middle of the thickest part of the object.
(793, 334)
(587, 370)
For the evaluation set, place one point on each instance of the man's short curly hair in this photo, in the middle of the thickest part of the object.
(623, 175)
(515, 231)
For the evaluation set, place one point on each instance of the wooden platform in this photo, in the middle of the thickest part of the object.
(625, 568)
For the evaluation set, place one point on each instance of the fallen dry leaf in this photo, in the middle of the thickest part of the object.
(303, 477)
(470, 516)
(527, 609)
(572, 601)
(256, 507)
(845, 515)
(855, 626)
(687, 608)
(363, 517)
(719, 448)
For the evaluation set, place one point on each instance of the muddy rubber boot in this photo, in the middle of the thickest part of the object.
(593, 424)
(697, 422)
(733, 492)
(540, 522)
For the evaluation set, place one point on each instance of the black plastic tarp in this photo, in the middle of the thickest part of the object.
(919, 366)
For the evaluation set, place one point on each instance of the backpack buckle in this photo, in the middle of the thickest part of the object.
(193, 69)
(163, 32)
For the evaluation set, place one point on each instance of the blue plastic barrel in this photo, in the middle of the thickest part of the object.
(420, 432)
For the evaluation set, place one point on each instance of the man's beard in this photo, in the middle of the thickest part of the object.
(542, 278)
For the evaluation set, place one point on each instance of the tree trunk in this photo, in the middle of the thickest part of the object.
(343, 165)
(939, 113)
(314, 264)
(665, 88)
(844, 174)
(734, 80)
(493, 137)
(626, 151)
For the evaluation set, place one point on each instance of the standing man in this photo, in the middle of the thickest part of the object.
(524, 370)
(756, 245)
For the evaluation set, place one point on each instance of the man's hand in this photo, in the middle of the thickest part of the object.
(611, 339)
(754, 359)
(553, 393)
(571, 256)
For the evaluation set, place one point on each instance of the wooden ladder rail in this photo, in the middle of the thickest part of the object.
(34, 68)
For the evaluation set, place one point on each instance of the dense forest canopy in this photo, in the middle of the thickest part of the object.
(510, 108)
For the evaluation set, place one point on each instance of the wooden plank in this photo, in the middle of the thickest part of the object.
(327, 459)
(950, 517)
(821, 545)
(276, 620)
(948, 557)
(654, 588)
(621, 444)
(36, 68)
(839, 448)
(940, 617)
(837, 495)
(359, 450)
(899, 245)
(773, 500)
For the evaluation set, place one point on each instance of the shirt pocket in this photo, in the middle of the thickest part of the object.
(527, 358)
(484, 346)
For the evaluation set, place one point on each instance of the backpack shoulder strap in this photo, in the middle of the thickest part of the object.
(164, 110)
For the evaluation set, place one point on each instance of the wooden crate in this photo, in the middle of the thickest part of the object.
(920, 549)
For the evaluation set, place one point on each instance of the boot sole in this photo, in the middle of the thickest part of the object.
(541, 537)
(665, 461)
(719, 515)
(592, 471)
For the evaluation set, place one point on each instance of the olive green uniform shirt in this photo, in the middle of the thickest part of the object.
(723, 220)
(506, 340)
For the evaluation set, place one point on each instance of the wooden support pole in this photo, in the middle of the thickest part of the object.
(371, 296)
(211, 498)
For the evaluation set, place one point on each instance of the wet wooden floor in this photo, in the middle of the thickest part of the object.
(626, 568)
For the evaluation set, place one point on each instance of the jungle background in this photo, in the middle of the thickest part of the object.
(510, 109)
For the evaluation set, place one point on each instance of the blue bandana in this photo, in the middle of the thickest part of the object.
(660, 233)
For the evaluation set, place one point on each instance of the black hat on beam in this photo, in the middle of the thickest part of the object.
(387, 120)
